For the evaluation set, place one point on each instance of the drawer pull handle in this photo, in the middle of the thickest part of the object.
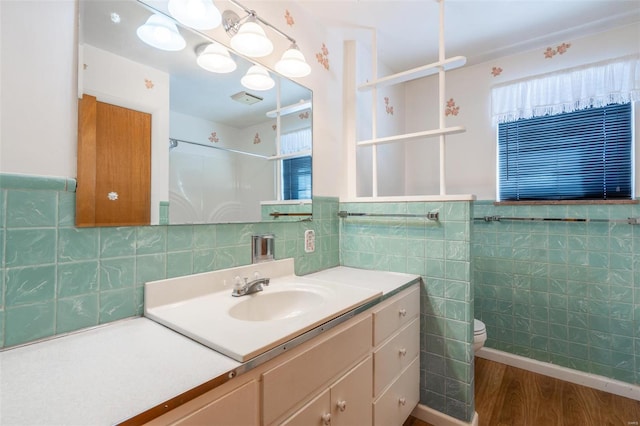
(326, 419)
(402, 401)
(403, 352)
(403, 312)
(342, 405)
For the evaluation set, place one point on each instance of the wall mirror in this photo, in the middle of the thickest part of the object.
(219, 152)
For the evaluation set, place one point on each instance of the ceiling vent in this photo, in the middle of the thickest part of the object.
(246, 98)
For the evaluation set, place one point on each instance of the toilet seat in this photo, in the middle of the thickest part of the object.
(478, 327)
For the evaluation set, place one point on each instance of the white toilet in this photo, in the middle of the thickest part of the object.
(479, 335)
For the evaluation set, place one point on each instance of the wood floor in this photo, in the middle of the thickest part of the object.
(511, 396)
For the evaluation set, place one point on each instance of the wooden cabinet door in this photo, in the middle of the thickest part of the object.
(351, 401)
(114, 165)
(315, 413)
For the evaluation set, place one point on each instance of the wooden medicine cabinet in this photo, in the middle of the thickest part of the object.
(114, 165)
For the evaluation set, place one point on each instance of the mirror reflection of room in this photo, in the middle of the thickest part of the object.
(223, 149)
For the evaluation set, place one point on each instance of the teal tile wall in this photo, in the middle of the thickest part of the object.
(567, 293)
(56, 278)
(440, 253)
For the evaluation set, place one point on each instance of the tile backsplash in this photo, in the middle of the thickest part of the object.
(561, 292)
(439, 251)
(56, 278)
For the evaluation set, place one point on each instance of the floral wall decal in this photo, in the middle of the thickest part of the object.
(451, 109)
(148, 83)
(388, 107)
(303, 115)
(323, 57)
(561, 49)
(288, 18)
(549, 53)
(214, 137)
(256, 139)
(496, 71)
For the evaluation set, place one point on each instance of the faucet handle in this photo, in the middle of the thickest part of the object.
(238, 282)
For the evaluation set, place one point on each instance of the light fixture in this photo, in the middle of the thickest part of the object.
(257, 78)
(215, 57)
(249, 38)
(197, 14)
(292, 63)
(161, 33)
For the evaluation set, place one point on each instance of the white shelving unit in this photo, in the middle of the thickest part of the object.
(440, 67)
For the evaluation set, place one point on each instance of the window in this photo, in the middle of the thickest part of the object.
(296, 178)
(580, 155)
(296, 170)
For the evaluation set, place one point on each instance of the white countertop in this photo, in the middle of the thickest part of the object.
(102, 376)
(108, 374)
(383, 281)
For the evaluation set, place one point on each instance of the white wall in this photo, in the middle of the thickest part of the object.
(38, 124)
(471, 156)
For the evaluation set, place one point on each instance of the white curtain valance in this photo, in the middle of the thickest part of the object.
(594, 85)
(296, 141)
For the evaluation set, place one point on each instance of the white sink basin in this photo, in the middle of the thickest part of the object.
(276, 305)
(244, 327)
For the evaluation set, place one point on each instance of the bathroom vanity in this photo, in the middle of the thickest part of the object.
(363, 371)
(357, 365)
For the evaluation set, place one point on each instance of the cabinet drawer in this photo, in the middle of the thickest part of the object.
(398, 401)
(395, 355)
(239, 407)
(394, 313)
(294, 381)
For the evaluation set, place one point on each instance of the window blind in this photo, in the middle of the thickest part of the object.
(585, 154)
(296, 178)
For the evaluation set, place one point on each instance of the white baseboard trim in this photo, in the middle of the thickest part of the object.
(594, 381)
(435, 417)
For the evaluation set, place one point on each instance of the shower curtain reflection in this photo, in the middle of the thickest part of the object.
(208, 185)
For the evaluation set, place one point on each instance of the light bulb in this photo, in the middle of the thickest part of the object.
(251, 40)
(197, 14)
(257, 78)
(215, 57)
(293, 63)
(161, 33)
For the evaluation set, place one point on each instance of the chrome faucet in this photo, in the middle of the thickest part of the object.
(249, 287)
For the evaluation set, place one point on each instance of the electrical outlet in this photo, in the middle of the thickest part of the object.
(309, 241)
